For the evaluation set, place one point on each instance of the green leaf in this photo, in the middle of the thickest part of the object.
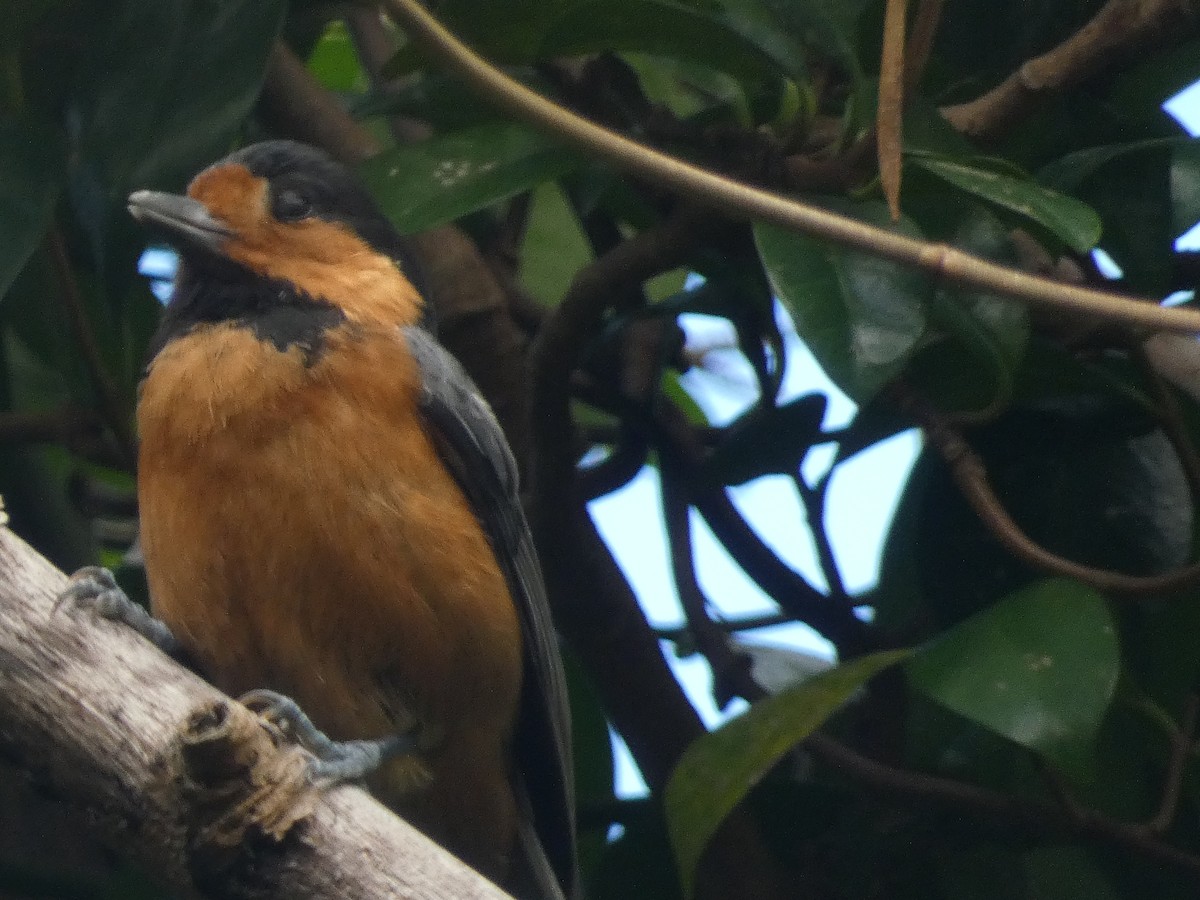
(1072, 222)
(177, 78)
(674, 391)
(720, 768)
(975, 371)
(448, 176)
(828, 24)
(554, 247)
(742, 45)
(1039, 668)
(862, 316)
(30, 179)
(334, 60)
(1130, 186)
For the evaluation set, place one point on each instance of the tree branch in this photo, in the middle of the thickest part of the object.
(970, 476)
(742, 201)
(1120, 27)
(181, 778)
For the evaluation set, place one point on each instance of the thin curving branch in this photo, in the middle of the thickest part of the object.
(1031, 816)
(796, 597)
(1183, 743)
(1120, 28)
(970, 476)
(740, 201)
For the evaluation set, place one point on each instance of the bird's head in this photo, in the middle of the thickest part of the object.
(283, 213)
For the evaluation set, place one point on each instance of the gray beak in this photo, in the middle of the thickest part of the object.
(185, 221)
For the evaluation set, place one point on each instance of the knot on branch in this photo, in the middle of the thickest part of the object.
(248, 790)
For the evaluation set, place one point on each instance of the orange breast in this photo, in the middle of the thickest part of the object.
(301, 534)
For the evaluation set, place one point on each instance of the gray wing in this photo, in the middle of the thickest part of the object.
(473, 447)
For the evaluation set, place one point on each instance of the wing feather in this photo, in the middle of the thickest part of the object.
(473, 447)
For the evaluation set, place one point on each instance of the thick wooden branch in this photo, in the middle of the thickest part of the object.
(179, 777)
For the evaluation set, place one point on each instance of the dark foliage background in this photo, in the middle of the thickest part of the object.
(1010, 719)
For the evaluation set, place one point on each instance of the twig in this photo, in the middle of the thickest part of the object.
(117, 413)
(1170, 418)
(711, 641)
(728, 626)
(813, 499)
(969, 474)
(889, 113)
(1120, 27)
(741, 201)
(616, 470)
(1182, 744)
(1034, 816)
(795, 596)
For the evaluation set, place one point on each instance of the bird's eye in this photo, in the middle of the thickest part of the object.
(291, 205)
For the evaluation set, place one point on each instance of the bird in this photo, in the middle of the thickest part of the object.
(329, 512)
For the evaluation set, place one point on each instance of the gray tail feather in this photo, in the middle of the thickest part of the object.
(532, 876)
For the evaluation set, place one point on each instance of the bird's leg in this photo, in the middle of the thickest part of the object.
(335, 761)
(94, 588)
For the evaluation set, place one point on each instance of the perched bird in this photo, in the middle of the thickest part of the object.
(329, 510)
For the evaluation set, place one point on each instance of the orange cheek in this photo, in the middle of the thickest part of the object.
(234, 194)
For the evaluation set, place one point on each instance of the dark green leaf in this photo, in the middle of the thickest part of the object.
(768, 440)
(1185, 186)
(741, 45)
(177, 78)
(720, 768)
(861, 316)
(30, 177)
(975, 371)
(450, 175)
(829, 24)
(1039, 667)
(1130, 185)
(1073, 222)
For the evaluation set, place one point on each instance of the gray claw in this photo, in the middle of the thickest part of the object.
(94, 588)
(334, 761)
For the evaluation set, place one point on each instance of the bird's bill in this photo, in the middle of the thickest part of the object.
(182, 218)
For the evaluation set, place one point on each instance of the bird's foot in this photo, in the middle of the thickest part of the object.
(94, 588)
(334, 761)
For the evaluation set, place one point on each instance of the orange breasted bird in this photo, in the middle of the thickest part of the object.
(329, 511)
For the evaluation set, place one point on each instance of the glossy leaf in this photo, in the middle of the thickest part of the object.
(720, 768)
(30, 179)
(861, 316)
(1072, 222)
(1039, 668)
(448, 176)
